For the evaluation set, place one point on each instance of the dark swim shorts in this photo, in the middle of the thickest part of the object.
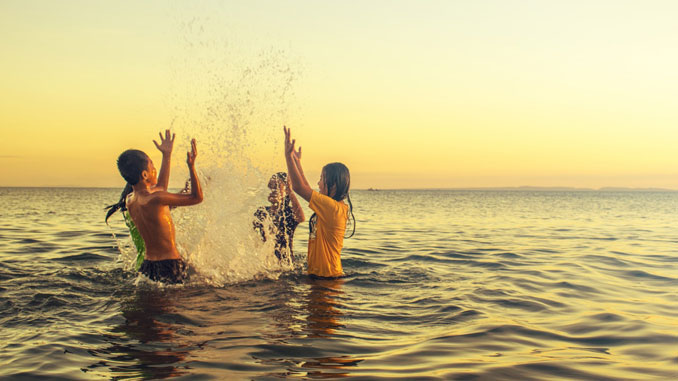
(170, 271)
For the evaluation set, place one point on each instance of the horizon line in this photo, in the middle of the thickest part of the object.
(493, 188)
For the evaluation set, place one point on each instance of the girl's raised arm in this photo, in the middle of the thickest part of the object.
(297, 211)
(296, 173)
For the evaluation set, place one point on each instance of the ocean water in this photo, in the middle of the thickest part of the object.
(487, 285)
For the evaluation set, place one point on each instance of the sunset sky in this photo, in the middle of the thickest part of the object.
(409, 94)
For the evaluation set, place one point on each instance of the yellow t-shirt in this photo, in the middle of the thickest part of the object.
(327, 238)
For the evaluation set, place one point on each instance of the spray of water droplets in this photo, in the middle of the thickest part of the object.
(234, 102)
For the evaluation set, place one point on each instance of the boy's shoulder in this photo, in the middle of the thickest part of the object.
(131, 198)
(145, 198)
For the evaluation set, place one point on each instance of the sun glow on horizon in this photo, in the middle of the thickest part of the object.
(407, 94)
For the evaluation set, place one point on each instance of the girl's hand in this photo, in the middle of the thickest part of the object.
(294, 171)
(289, 145)
(190, 156)
(166, 144)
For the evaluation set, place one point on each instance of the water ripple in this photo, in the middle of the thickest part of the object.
(482, 285)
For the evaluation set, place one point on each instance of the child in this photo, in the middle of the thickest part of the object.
(148, 202)
(285, 213)
(328, 224)
(133, 231)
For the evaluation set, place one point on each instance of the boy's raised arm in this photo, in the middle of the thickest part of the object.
(297, 178)
(196, 190)
(165, 147)
(184, 199)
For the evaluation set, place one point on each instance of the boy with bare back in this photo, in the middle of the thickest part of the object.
(148, 203)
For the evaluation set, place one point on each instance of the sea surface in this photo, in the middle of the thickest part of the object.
(469, 285)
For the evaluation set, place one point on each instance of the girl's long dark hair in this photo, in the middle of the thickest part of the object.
(338, 177)
(121, 204)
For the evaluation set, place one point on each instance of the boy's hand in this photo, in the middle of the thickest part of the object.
(166, 144)
(190, 156)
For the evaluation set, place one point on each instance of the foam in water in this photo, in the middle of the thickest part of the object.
(236, 112)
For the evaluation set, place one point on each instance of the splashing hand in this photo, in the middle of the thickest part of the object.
(190, 155)
(166, 143)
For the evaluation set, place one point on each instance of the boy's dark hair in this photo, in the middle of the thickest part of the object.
(121, 205)
(131, 163)
(338, 177)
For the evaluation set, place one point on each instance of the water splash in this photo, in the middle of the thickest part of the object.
(234, 103)
(127, 251)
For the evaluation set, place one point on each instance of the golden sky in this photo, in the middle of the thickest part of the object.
(409, 94)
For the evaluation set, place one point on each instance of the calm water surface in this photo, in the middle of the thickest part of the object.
(485, 285)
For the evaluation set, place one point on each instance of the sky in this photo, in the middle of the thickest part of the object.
(408, 94)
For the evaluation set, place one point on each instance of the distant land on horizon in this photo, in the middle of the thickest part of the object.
(536, 189)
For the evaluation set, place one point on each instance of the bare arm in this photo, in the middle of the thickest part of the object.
(297, 178)
(196, 189)
(297, 162)
(183, 199)
(297, 211)
(165, 147)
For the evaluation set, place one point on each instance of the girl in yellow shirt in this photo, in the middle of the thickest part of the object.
(328, 223)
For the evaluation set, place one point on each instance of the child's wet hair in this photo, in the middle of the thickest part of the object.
(338, 177)
(131, 164)
(121, 205)
(338, 180)
(281, 178)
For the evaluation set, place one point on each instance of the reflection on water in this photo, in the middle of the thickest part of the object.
(324, 311)
(323, 364)
(323, 321)
(304, 321)
(157, 350)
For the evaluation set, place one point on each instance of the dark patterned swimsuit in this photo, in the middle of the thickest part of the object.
(284, 224)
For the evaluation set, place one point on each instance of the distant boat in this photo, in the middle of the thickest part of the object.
(372, 190)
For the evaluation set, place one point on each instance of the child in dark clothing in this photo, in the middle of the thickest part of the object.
(285, 213)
